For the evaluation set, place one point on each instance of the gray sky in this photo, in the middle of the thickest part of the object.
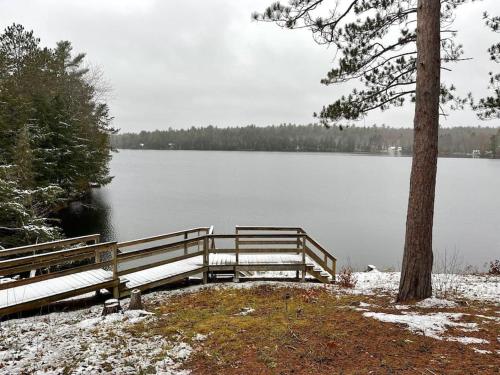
(194, 63)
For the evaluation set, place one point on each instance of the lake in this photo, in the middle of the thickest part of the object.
(354, 205)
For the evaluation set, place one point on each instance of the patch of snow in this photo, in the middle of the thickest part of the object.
(401, 307)
(432, 325)
(481, 351)
(434, 302)
(200, 337)
(180, 351)
(135, 316)
(246, 311)
(494, 318)
(468, 340)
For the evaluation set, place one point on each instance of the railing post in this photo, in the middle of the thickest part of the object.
(298, 252)
(237, 253)
(114, 254)
(334, 267)
(205, 259)
(303, 278)
(185, 245)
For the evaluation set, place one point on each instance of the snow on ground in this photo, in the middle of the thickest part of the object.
(474, 287)
(434, 302)
(432, 325)
(483, 288)
(86, 341)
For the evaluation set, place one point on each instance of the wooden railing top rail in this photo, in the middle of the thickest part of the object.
(321, 248)
(126, 256)
(39, 259)
(158, 263)
(49, 245)
(51, 275)
(162, 236)
(268, 228)
(29, 266)
(259, 235)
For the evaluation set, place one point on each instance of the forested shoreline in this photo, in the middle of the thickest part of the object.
(54, 134)
(453, 141)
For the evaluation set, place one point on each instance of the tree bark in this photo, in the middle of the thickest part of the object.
(135, 300)
(416, 272)
(111, 306)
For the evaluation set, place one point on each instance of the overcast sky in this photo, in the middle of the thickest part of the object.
(193, 63)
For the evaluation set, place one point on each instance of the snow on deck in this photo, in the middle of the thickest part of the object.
(51, 287)
(150, 275)
(254, 259)
(47, 288)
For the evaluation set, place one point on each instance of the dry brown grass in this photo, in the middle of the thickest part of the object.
(308, 331)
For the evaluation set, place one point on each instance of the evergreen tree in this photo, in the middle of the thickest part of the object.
(488, 108)
(395, 49)
(23, 159)
(54, 130)
(454, 141)
(23, 211)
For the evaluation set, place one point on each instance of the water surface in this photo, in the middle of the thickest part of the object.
(355, 205)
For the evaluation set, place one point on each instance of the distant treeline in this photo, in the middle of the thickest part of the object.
(457, 141)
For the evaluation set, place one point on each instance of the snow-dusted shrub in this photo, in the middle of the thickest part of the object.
(494, 267)
(346, 278)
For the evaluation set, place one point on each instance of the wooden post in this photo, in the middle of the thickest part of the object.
(98, 259)
(334, 267)
(303, 278)
(185, 245)
(114, 254)
(205, 259)
(237, 254)
(298, 252)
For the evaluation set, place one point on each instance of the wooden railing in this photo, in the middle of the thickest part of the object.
(47, 260)
(325, 259)
(304, 244)
(59, 263)
(50, 246)
(181, 241)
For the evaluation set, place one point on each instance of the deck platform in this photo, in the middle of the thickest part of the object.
(122, 267)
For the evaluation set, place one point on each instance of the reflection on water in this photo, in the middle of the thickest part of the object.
(354, 205)
(93, 215)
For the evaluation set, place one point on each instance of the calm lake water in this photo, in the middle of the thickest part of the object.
(355, 205)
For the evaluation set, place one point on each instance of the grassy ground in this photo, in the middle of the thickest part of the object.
(290, 330)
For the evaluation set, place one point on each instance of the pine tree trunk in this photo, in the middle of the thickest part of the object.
(416, 272)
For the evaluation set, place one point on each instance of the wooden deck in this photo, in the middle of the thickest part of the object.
(69, 285)
(40, 274)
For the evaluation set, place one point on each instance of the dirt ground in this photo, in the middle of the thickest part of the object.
(290, 330)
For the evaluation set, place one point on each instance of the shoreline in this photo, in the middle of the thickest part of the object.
(356, 153)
